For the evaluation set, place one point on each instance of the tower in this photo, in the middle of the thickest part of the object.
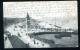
(28, 21)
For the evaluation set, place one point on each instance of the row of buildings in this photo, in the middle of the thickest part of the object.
(32, 24)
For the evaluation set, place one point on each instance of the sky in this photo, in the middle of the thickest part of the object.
(64, 13)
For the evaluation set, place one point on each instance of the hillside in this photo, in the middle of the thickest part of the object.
(10, 21)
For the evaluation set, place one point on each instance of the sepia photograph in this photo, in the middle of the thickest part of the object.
(40, 24)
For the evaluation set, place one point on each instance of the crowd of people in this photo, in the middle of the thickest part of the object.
(21, 33)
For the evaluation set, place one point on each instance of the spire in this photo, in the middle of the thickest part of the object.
(28, 18)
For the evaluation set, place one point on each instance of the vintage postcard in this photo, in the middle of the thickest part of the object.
(40, 24)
